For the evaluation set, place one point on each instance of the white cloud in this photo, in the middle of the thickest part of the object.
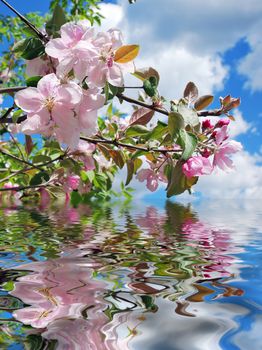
(113, 15)
(201, 28)
(240, 126)
(252, 68)
(181, 40)
(244, 182)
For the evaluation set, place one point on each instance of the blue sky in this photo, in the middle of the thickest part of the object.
(215, 44)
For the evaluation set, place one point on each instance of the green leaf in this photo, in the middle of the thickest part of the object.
(190, 117)
(178, 182)
(175, 123)
(33, 81)
(41, 158)
(150, 86)
(33, 48)
(188, 142)
(20, 45)
(158, 131)
(57, 20)
(90, 175)
(137, 164)
(39, 178)
(16, 115)
(75, 198)
(136, 130)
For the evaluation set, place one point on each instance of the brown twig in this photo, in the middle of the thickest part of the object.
(30, 168)
(26, 21)
(21, 188)
(215, 112)
(9, 90)
(129, 146)
(205, 113)
(19, 159)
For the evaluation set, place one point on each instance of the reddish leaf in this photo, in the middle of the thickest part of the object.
(118, 158)
(191, 92)
(141, 116)
(28, 144)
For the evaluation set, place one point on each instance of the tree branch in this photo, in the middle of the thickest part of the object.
(30, 168)
(126, 145)
(26, 21)
(9, 90)
(214, 113)
(205, 113)
(19, 160)
(21, 188)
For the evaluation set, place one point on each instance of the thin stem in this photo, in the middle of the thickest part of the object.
(126, 145)
(142, 104)
(14, 141)
(19, 160)
(21, 188)
(205, 113)
(214, 113)
(26, 21)
(9, 90)
(132, 87)
(30, 168)
(10, 120)
(6, 114)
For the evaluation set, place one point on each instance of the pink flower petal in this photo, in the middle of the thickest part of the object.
(48, 85)
(56, 48)
(29, 100)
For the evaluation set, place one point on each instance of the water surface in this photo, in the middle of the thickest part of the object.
(131, 277)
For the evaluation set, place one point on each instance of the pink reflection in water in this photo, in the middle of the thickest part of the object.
(67, 298)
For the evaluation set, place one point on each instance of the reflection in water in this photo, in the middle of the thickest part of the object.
(109, 278)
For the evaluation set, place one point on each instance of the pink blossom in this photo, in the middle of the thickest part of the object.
(92, 100)
(103, 162)
(152, 176)
(196, 166)
(224, 149)
(84, 153)
(50, 109)
(72, 48)
(40, 67)
(103, 67)
(70, 184)
(206, 124)
(222, 122)
(73, 182)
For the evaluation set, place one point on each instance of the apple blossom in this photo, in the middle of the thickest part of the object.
(73, 48)
(196, 166)
(224, 149)
(103, 67)
(152, 176)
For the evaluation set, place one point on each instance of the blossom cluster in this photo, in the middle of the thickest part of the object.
(76, 67)
(216, 146)
(75, 74)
